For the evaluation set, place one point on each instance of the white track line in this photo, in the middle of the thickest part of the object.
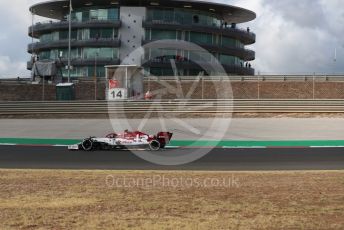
(244, 147)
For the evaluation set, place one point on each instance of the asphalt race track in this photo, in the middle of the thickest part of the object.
(31, 157)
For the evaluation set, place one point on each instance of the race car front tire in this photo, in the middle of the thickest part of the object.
(154, 145)
(87, 145)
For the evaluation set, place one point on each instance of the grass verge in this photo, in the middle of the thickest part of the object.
(48, 199)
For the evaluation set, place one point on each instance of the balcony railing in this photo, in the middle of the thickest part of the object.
(187, 64)
(81, 62)
(242, 53)
(101, 42)
(244, 36)
(46, 26)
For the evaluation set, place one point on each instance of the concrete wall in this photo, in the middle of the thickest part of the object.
(23, 92)
(252, 90)
(131, 33)
(189, 89)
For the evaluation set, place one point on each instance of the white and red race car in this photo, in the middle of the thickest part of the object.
(125, 140)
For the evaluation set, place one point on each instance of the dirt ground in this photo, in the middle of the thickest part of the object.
(36, 199)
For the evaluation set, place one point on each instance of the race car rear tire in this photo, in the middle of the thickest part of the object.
(154, 145)
(87, 145)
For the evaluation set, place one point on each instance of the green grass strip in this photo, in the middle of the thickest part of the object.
(30, 141)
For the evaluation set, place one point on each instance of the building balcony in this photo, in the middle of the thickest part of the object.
(39, 46)
(242, 53)
(46, 27)
(202, 66)
(246, 37)
(81, 62)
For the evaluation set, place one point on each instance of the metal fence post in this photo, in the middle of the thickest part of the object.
(258, 88)
(202, 87)
(314, 86)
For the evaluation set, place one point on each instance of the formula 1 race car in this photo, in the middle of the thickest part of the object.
(125, 140)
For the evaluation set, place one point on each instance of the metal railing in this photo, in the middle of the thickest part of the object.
(93, 42)
(259, 78)
(244, 35)
(189, 64)
(56, 25)
(242, 53)
(255, 78)
(173, 107)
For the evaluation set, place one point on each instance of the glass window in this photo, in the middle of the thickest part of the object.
(76, 72)
(101, 33)
(53, 54)
(228, 42)
(55, 36)
(113, 14)
(100, 71)
(95, 34)
(74, 35)
(107, 33)
(86, 34)
(64, 34)
(147, 34)
(44, 55)
(155, 53)
(161, 71)
(169, 15)
(157, 14)
(46, 38)
(179, 16)
(106, 52)
(90, 53)
(64, 53)
(166, 53)
(231, 42)
(200, 56)
(227, 59)
(195, 72)
(77, 16)
(102, 14)
(201, 38)
(155, 71)
(76, 53)
(94, 14)
(115, 53)
(163, 34)
(85, 16)
(80, 35)
(179, 35)
(187, 16)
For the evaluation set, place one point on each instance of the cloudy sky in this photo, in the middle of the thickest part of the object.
(293, 36)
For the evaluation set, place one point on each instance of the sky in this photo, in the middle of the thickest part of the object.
(293, 36)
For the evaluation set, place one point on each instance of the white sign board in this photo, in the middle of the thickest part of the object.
(117, 94)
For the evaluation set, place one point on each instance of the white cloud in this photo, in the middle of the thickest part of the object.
(10, 68)
(297, 37)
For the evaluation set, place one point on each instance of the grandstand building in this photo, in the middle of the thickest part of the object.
(104, 32)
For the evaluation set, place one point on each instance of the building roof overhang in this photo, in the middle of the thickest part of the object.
(59, 8)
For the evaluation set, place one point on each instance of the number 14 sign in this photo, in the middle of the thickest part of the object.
(117, 94)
